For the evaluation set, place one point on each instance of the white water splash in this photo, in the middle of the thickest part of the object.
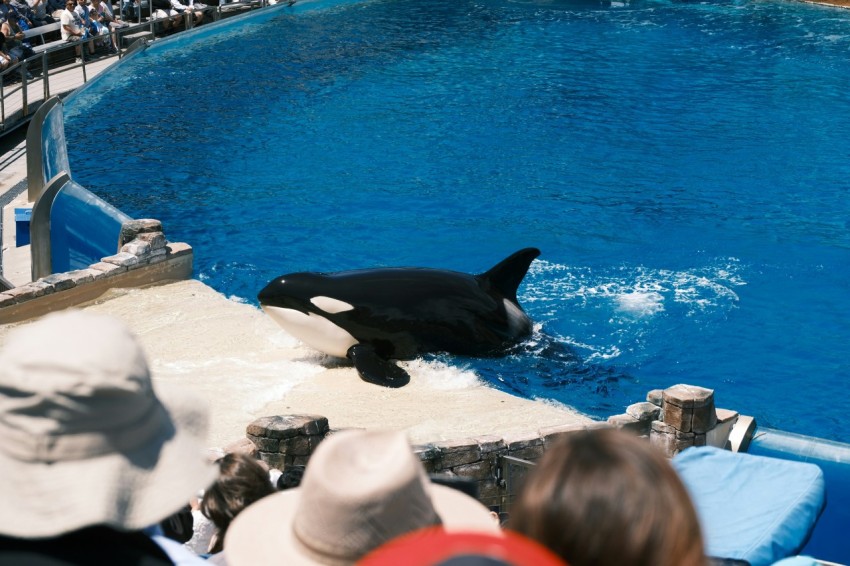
(635, 291)
(640, 304)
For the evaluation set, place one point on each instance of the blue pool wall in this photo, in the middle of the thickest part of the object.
(829, 539)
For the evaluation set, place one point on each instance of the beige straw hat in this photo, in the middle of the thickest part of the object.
(84, 440)
(360, 490)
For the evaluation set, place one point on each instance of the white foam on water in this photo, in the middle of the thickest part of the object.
(435, 374)
(640, 304)
(636, 291)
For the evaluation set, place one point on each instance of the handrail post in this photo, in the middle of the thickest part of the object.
(45, 75)
(3, 96)
(24, 101)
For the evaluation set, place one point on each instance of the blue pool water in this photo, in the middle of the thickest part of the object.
(683, 166)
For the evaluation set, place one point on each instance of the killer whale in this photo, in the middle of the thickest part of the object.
(375, 316)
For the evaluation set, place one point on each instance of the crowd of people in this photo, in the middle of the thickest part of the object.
(99, 466)
(90, 22)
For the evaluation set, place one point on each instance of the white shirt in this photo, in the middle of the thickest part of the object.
(69, 19)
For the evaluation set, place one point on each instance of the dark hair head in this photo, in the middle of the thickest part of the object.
(605, 497)
(290, 477)
(242, 481)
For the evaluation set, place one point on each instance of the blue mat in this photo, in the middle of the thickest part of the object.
(752, 508)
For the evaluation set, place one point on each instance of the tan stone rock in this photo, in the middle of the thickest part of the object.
(689, 408)
(655, 397)
(178, 248)
(480, 470)
(264, 443)
(155, 239)
(489, 443)
(132, 228)
(645, 411)
(670, 440)
(123, 259)
(457, 452)
(136, 247)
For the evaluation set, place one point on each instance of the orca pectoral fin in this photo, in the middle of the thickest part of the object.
(374, 369)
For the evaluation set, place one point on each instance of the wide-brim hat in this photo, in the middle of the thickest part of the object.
(360, 489)
(84, 439)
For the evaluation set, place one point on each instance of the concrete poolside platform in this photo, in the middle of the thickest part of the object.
(244, 367)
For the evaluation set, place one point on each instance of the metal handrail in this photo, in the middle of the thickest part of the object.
(41, 61)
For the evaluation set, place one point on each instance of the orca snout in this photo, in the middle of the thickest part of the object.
(272, 293)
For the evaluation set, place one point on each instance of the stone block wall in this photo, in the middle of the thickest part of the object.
(678, 417)
(145, 257)
(672, 419)
(290, 440)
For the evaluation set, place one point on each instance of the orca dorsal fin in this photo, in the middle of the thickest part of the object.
(506, 275)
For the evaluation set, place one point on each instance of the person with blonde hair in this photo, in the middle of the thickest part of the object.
(606, 497)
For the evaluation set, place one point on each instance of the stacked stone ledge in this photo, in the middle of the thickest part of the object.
(282, 441)
(143, 243)
(672, 419)
(677, 418)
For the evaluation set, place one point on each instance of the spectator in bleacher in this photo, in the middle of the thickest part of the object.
(198, 15)
(169, 17)
(18, 46)
(606, 497)
(40, 17)
(106, 16)
(6, 58)
(55, 7)
(100, 20)
(15, 23)
(30, 19)
(94, 27)
(361, 488)
(72, 27)
(13, 15)
(92, 454)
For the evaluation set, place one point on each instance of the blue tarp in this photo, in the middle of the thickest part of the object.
(752, 508)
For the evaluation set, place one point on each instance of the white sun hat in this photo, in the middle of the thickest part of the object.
(84, 440)
(360, 489)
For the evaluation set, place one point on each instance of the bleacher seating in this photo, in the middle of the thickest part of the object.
(44, 37)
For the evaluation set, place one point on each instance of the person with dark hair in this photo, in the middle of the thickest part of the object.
(242, 481)
(605, 497)
(72, 27)
(290, 477)
(6, 58)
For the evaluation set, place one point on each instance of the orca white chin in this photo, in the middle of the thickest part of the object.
(314, 330)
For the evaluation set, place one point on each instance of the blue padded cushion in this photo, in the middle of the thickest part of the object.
(752, 508)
